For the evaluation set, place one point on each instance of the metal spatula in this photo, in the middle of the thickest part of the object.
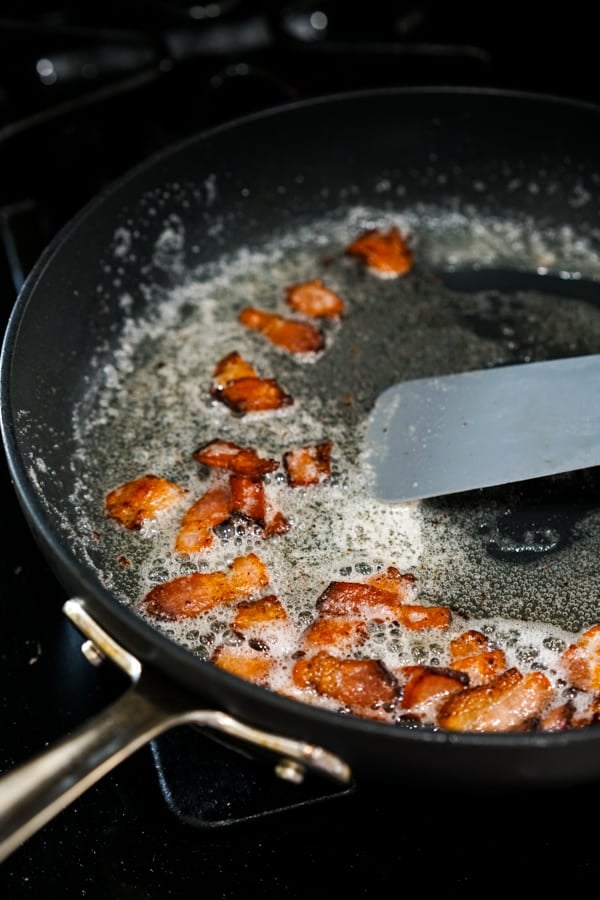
(433, 436)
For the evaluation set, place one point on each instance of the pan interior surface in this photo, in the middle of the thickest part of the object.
(494, 282)
(499, 558)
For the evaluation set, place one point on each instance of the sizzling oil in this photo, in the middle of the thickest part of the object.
(498, 557)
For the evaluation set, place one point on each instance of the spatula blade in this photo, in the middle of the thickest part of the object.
(434, 436)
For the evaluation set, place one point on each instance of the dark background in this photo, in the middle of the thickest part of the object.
(86, 91)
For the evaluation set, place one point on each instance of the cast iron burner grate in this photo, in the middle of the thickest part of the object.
(211, 786)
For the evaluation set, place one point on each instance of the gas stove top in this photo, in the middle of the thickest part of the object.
(86, 92)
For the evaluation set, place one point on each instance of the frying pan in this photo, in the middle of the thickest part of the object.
(527, 164)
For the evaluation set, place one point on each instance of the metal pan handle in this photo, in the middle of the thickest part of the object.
(35, 792)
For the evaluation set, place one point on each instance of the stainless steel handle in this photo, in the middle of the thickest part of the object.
(35, 792)
(38, 790)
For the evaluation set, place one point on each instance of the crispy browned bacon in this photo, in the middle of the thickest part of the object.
(511, 702)
(357, 600)
(429, 684)
(191, 595)
(357, 683)
(248, 498)
(308, 465)
(276, 523)
(469, 643)
(237, 384)
(417, 617)
(251, 395)
(240, 460)
(386, 252)
(336, 633)
(401, 584)
(581, 660)
(231, 368)
(245, 662)
(559, 718)
(263, 611)
(289, 334)
(196, 529)
(482, 667)
(134, 502)
(312, 298)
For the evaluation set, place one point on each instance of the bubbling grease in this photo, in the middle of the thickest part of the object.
(151, 409)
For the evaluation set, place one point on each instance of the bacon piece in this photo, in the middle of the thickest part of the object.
(474, 653)
(590, 715)
(349, 598)
(385, 252)
(469, 643)
(427, 684)
(265, 610)
(312, 298)
(252, 665)
(134, 502)
(249, 501)
(196, 530)
(416, 617)
(512, 702)
(401, 584)
(289, 334)
(308, 465)
(191, 595)
(236, 383)
(352, 599)
(231, 368)
(339, 634)
(559, 718)
(354, 682)
(276, 523)
(248, 498)
(248, 395)
(482, 667)
(240, 460)
(581, 660)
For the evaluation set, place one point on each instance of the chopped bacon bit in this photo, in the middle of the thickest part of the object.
(312, 298)
(237, 384)
(401, 584)
(336, 633)
(252, 665)
(512, 702)
(469, 643)
(247, 574)
(559, 718)
(385, 252)
(248, 395)
(591, 714)
(430, 683)
(308, 465)
(231, 368)
(417, 617)
(191, 595)
(196, 531)
(350, 598)
(250, 613)
(581, 660)
(134, 502)
(290, 335)
(240, 460)
(354, 682)
(482, 667)
(248, 498)
(276, 523)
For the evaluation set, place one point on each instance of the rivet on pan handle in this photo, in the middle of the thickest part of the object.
(33, 793)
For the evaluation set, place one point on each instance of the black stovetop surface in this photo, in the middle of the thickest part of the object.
(87, 91)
